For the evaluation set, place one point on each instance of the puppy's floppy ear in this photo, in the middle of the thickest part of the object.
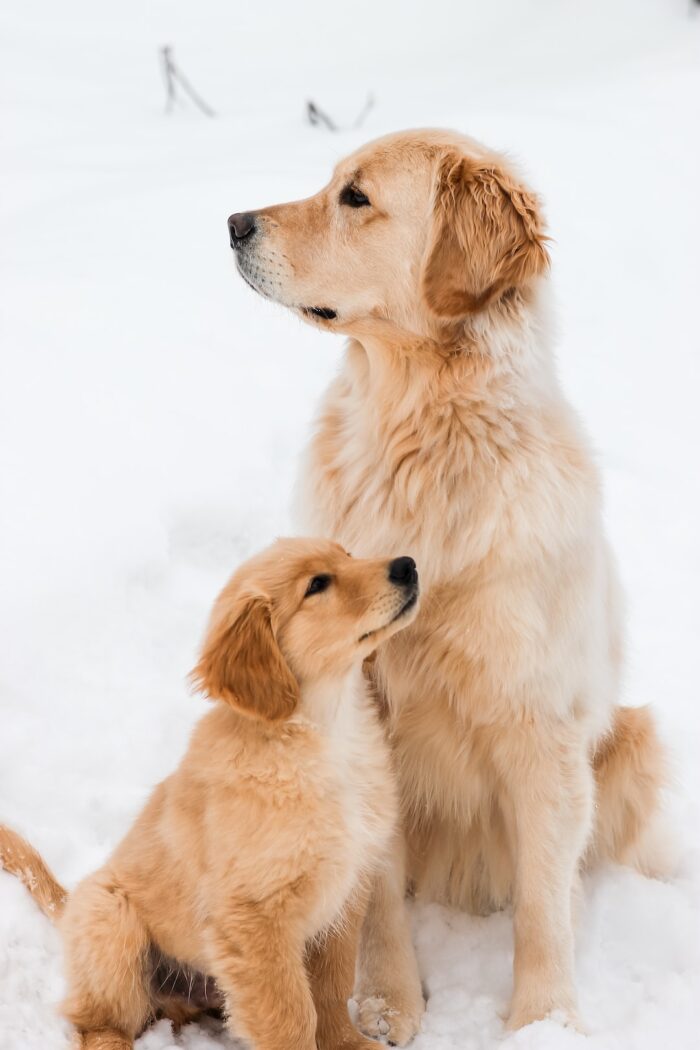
(241, 661)
(487, 237)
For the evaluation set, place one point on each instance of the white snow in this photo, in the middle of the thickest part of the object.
(152, 411)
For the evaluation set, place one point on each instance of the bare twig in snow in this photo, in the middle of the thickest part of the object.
(174, 76)
(362, 115)
(318, 118)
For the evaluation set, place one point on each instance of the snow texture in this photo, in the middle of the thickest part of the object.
(152, 411)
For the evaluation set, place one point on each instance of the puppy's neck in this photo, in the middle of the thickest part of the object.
(330, 703)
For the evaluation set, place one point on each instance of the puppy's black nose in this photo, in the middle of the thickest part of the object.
(403, 571)
(240, 226)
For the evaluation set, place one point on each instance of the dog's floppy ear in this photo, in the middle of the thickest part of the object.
(487, 237)
(241, 662)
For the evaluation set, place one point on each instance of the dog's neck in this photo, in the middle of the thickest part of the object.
(329, 704)
(502, 353)
(416, 439)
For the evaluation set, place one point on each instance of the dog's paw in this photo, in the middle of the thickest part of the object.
(360, 1043)
(393, 1022)
(529, 1011)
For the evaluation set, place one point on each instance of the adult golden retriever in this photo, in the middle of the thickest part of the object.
(251, 863)
(447, 431)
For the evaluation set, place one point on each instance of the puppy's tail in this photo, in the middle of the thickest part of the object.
(631, 770)
(22, 860)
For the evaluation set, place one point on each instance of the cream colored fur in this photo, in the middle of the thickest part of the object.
(447, 432)
(250, 864)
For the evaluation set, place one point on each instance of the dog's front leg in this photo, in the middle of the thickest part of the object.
(389, 989)
(259, 965)
(549, 786)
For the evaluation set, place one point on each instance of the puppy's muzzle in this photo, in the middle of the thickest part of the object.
(403, 571)
(241, 227)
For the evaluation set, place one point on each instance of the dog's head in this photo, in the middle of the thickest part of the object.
(418, 229)
(300, 612)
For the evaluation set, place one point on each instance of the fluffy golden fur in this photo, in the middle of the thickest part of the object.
(447, 430)
(250, 864)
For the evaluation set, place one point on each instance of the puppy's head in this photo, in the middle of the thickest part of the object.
(419, 229)
(301, 611)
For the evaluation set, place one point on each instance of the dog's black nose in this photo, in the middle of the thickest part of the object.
(403, 571)
(240, 226)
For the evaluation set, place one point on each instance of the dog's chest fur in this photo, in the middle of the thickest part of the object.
(489, 486)
(448, 461)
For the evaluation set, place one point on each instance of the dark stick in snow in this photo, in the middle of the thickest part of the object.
(174, 76)
(317, 117)
(362, 115)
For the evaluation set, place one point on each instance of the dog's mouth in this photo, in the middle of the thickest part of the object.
(248, 281)
(320, 313)
(323, 312)
(405, 608)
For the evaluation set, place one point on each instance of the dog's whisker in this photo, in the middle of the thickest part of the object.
(162, 984)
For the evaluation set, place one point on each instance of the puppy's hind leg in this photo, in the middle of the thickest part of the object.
(107, 959)
(103, 1039)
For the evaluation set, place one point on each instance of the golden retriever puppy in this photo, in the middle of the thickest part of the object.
(243, 882)
(447, 429)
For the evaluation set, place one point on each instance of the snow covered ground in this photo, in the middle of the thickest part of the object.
(152, 411)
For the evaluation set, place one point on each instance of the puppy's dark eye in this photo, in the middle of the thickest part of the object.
(353, 197)
(318, 584)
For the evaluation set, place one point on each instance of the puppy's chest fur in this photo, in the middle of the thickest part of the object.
(353, 777)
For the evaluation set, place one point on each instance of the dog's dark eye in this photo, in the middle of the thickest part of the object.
(318, 584)
(353, 197)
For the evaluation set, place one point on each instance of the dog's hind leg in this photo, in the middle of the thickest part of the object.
(107, 950)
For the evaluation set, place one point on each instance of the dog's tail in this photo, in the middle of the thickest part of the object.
(631, 770)
(22, 860)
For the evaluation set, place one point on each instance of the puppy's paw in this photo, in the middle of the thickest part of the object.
(390, 1019)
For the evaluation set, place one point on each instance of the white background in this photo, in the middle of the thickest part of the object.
(152, 410)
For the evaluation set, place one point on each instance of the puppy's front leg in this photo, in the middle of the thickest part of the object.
(259, 965)
(389, 988)
(331, 961)
(550, 793)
